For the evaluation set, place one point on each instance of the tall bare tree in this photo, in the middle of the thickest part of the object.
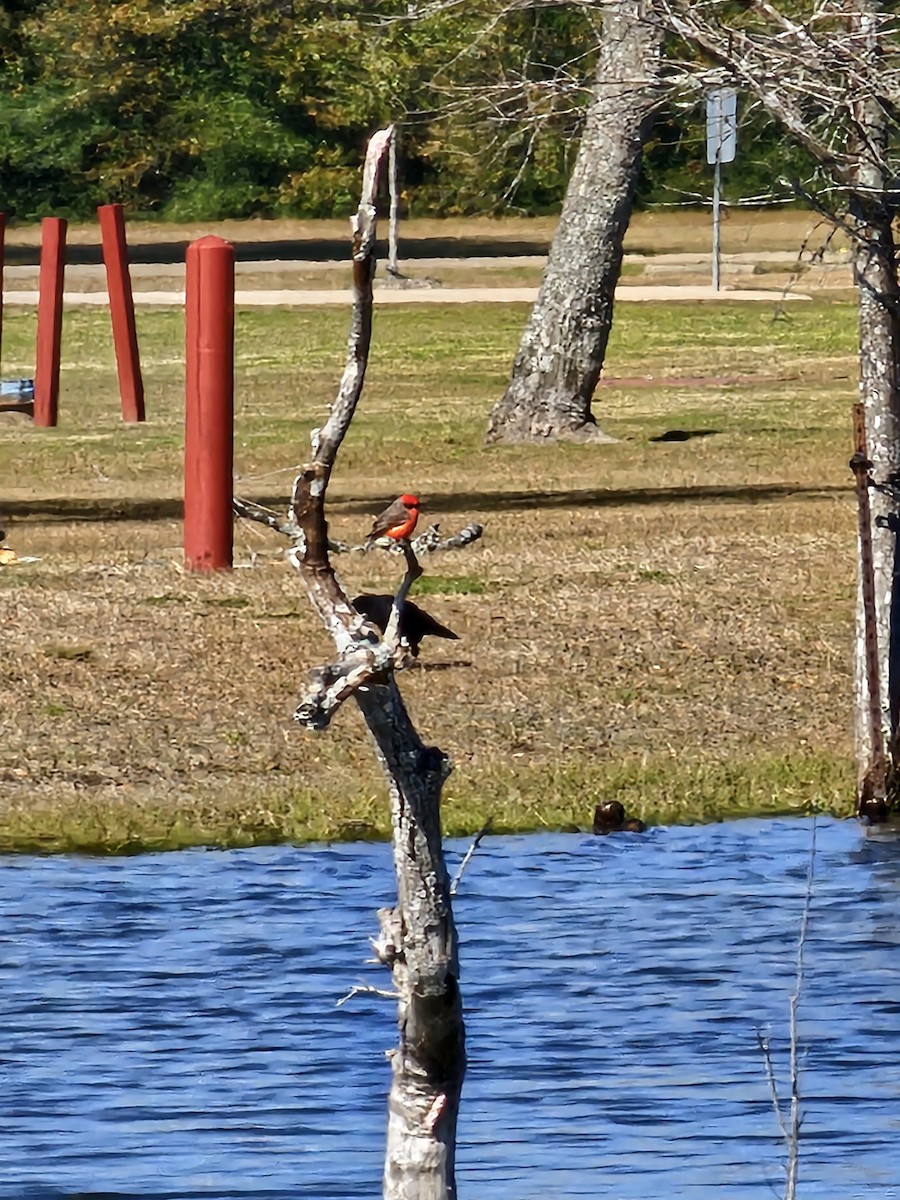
(829, 71)
(417, 939)
(560, 357)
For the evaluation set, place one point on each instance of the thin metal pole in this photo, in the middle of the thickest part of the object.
(716, 251)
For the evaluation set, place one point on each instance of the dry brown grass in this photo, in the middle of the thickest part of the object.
(667, 619)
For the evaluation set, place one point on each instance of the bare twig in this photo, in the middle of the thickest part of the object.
(476, 842)
(413, 572)
(790, 1125)
(249, 510)
(365, 989)
(430, 541)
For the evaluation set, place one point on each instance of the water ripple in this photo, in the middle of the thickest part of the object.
(169, 1027)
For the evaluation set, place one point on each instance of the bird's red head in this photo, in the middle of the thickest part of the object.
(410, 502)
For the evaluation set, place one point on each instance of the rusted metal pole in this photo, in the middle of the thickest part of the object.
(874, 778)
(209, 415)
(121, 310)
(49, 322)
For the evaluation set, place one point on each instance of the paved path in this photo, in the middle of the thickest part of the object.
(319, 298)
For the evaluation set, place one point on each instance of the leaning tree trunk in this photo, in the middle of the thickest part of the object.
(877, 674)
(561, 354)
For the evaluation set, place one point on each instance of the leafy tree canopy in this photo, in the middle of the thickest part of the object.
(198, 109)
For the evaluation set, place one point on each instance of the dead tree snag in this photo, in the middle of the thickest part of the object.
(417, 938)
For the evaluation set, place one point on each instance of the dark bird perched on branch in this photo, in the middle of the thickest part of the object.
(415, 623)
(610, 817)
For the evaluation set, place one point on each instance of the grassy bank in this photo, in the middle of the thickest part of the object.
(664, 620)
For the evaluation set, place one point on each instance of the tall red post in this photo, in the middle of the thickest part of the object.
(209, 416)
(121, 310)
(49, 323)
(2, 261)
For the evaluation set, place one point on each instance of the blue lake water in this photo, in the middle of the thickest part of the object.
(168, 1023)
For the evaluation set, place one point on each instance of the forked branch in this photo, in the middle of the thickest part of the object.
(418, 936)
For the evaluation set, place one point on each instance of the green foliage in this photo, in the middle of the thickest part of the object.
(193, 109)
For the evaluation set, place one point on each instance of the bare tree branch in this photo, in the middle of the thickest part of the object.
(476, 842)
(790, 1124)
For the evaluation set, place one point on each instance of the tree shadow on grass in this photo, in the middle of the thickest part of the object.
(172, 508)
(294, 250)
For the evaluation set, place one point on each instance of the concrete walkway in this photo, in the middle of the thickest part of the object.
(319, 298)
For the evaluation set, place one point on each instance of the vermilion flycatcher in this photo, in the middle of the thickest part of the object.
(397, 521)
(415, 622)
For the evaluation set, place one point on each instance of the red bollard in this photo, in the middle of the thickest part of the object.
(209, 415)
(49, 323)
(121, 310)
(2, 259)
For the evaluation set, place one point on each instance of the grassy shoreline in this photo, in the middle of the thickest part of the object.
(664, 791)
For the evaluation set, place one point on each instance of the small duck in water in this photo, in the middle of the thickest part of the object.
(610, 817)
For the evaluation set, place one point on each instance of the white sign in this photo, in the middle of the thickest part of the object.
(721, 125)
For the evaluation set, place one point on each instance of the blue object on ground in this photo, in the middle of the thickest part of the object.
(23, 389)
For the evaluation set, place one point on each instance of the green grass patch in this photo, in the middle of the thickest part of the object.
(449, 585)
(559, 798)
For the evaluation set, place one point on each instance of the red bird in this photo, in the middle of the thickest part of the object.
(397, 521)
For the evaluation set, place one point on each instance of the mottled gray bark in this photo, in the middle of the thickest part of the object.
(875, 273)
(418, 938)
(418, 943)
(560, 357)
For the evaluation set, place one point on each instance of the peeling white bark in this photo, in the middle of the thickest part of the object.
(418, 937)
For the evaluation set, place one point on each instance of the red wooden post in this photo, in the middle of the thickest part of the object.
(49, 323)
(121, 310)
(209, 416)
(2, 259)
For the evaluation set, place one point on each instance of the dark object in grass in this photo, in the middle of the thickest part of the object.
(415, 623)
(683, 435)
(610, 817)
(874, 810)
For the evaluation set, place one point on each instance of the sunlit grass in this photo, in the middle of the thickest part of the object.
(666, 621)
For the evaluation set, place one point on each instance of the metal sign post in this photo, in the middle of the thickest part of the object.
(721, 144)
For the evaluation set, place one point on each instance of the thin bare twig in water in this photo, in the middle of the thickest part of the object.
(476, 842)
(365, 989)
(790, 1127)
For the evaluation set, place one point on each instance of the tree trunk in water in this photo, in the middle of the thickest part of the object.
(418, 942)
(418, 938)
(561, 354)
